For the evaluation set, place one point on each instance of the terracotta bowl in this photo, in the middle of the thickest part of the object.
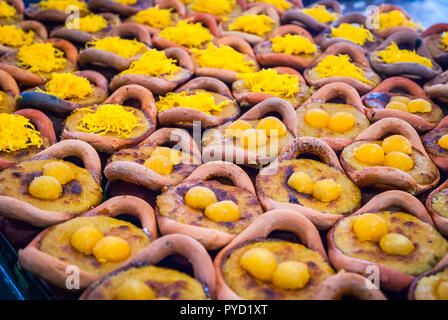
(110, 144)
(54, 270)
(135, 172)
(119, 8)
(9, 86)
(383, 8)
(435, 152)
(440, 221)
(40, 33)
(440, 268)
(178, 244)
(19, 6)
(437, 88)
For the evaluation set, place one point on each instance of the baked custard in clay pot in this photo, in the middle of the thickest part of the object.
(390, 154)
(436, 39)
(121, 7)
(402, 98)
(34, 64)
(257, 266)
(66, 92)
(219, 9)
(50, 11)
(23, 33)
(319, 189)
(253, 25)
(90, 27)
(225, 59)
(315, 18)
(437, 88)
(11, 11)
(338, 124)
(158, 71)
(288, 46)
(141, 278)
(404, 54)
(206, 209)
(23, 134)
(204, 99)
(154, 165)
(436, 144)
(393, 232)
(436, 205)
(431, 285)
(255, 138)
(8, 92)
(343, 62)
(46, 189)
(114, 51)
(113, 125)
(96, 242)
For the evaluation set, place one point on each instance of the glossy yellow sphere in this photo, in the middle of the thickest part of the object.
(326, 190)
(420, 106)
(396, 105)
(236, 129)
(341, 122)
(396, 244)
(134, 290)
(172, 154)
(111, 249)
(301, 181)
(45, 187)
(402, 99)
(272, 126)
(200, 197)
(291, 275)
(59, 170)
(160, 164)
(253, 138)
(223, 211)
(398, 160)
(443, 142)
(370, 153)
(317, 118)
(397, 143)
(85, 239)
(259, 262)
(370, 227)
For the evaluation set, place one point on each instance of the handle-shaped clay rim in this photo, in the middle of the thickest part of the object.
(131, 29)
(260, 228)
(113, 6)
(43, 124)
(238, 44)
(205, 19)
(291, 29)
(209, 84)
(38, 28)
(17, 4)
(48, 15)
(437, 28)
(440, 221)
(355, 52)
(69, 49)
(8, 84)
(400, 83)
(178, 6)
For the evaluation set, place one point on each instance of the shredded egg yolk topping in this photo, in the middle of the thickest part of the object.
(191, 35)
(223, 57)
(153, 63)
(154, 17)
(123, 47)
(49, 185)
(127, 2)
(405, 104)
(340, 66)
(41, 57)
(443, 142)
(394, 152)
(92, 23)
(68, 86)
(293, 44)
(6, 10)
(17, 133)
(321, 14)
(215, 7)
(202, 101)
(356, 34)
(268, 81)
(15, 37)
(325, 190)
(444, 40)
(109, 118)
(62, 5)
(395, 18)
(280, 4)
(393, 54)
(339, 122)
(259, 24)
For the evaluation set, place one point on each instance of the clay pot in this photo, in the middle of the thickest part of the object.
(163, 84)
(432, 38)
(40, 33)
(53, 270)
(159, 249)
(9, 86)
(119, 8)
(383, 8)
(110, 144)
(405, 69)
(234, 153)
(436, 153)
(389, 278)
(437, 88)
(137, 173)
(359, 59)
(184, 117)
(440, 221)
(47, 102)
(433, 272)
(376, 101)
(19, 6)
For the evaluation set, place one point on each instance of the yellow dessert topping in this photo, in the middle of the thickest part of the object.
(370, 153)
(393, 54)
(153, 63)
(398, 160)
(236, 129)
(41, 57)
(259, 262)
(92, 23)
(109, 118)
(126, 2)
(62, 5)
(223, 57)
(191, 35)
(154, 17)
(223, 211)
(280, 4)
(15, 37)
(291, 275)
(293, 44)
(202, 101)
(7, 10)
(397, 105)
(215, 7)
(444, 40)
(341, 122)
(317, 118)
(59, 170)
(45, 187)
(326, 190)
(397, 143)
(370, 227)
(160, 164)
(301, 182)
(272, 126)
(68, 86)
(340, 66)
(258, 24)
(252, 138)
(419, 105)
(123, 47)
(356, 34)
(133, 289)
(172, 154)
(320, 13)
(396, 244)
(443, 142)
(269, 81)
(85, 239)
(442, 290)
(111, 249)
(17, 133)
(401, 99)
(200, 197)
(395, 18)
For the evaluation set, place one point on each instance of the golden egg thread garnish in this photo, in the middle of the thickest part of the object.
(320, 13)
(126, 2)
(67, 86)
(17, 133)
(6, 10)
(154, 17)
(15, 37)
(185, 33)
(444, 40)
(41, 57)
(91, 23)
(393, 54)
(395, 18)
(153, 63)
(356, 34)
(61, 5)
(215, 7)
(280, 4)
(202, 101)
(258, 24)
(293, 44)
(123, 47)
